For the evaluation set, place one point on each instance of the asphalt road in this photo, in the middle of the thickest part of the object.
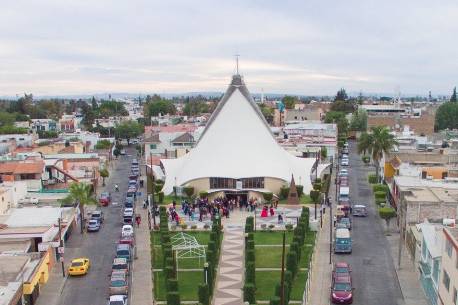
(99, 247)
(373, 273)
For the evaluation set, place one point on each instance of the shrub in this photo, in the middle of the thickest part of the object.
(372, 178)
(379, 201)
(288, 227)
(189, 191)
(284, 192)
(211, 257)
(184, 226)
(263, 226)
(249, 293)
(160, 197)
(249, 255)
(267, 196)
(366, 159)
(173, 298)
(172, 284)
(250, 273)
(193, 227)
(206, 226)
(158, 187)
(324, 152)
(380, 194)
(271, 226)
(291, 262)
(387, 213)
(315, 195)
(318, 180)
(203, 194)
(317, 186)
(380, 187)
(204, 294)
(274, 300)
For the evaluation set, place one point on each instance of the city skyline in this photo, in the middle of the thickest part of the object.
(311, 48)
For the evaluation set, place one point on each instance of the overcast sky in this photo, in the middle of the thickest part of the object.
(51, 47)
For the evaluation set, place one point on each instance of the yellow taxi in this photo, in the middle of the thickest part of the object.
(79, 266)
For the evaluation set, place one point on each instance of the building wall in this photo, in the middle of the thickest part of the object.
(417, 212)
(423, 124)
(273, 184)
(40, 275)
(6, 200)
(450, 266)
(202, 184)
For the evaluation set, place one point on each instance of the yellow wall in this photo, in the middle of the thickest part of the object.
(40, 276)
(202, 184)
(273, 184)
(54, 148)
(389, 170)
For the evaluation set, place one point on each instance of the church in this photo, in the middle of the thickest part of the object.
(237, 153)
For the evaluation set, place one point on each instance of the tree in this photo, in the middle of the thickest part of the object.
(110, 108)
(195, 107)
(128, 130)
(341, 95)
(453, 97)
(49, 134)
(80, 193)
(103, 144)
(337, 117)
(7, 119)
(376, 143)
(267, 112)
(387, 213)
(446, 116)
(267, 196)
(289, 101)
(324, 152)
(359, 120)
(10, 129)
(104, 174)
(156, 107)
(343, 106)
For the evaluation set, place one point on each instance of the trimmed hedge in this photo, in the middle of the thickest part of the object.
(173, 298)
(204, 294)
(380, 194)
(284, 192)
(380, 188)
(249, 293)
(372, 178)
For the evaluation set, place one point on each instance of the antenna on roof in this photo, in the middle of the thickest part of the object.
(237, 64)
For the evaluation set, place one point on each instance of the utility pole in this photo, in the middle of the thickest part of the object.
(61, 255)
(330, 232)
(401, 231)
(282, 283)
(152, 191)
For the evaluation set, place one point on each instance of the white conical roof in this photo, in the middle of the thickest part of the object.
(237, 143)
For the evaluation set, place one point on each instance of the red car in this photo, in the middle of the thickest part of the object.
(105, 199)
(341, 269)
(342, 290)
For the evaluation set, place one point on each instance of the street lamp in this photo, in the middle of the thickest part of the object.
(206, 272)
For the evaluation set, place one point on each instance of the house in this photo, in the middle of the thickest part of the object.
(43, 125)
(448, 280)
(29, 170)
(430, 260)
(305, 114)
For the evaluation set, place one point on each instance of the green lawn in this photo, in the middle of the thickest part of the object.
(271, 238)
(188, 263)
(188, 285)
(310, 238)
(305, 256)
(269, 257)
(305, 199)
(265, 284)
(298, 286)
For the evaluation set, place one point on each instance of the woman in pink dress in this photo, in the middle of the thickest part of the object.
(264, 212)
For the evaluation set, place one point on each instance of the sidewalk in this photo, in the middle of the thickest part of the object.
(408, 277)
(142, 281)
(50, 292)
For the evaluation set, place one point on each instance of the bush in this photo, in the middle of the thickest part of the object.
(318, 180)
(193, 227)
(250, 273)
(173, 298)
(189, 191)
(271, 226)
(172, 284)
(203, 194)
(267, 196)
(324, 152)
(204, 294)
(284, 192)
(291, 262)
(372, 178)
(288, 227)
(366, 159)
(184, 226)
(274, 300)
(380, 194)
(158, 187)
(379, 201)
(206, 226)
(315, 195)
(160, 197)
(387, 213)
(249, 291)
(250, 256)
(317, 186)
(380, 187)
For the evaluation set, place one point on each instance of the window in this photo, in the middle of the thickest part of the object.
(152, 146)
(448, 248)
(253, 183)
(446, 280)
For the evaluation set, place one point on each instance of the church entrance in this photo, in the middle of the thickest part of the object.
(239, 196)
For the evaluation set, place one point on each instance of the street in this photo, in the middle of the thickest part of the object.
(373, 273)
(99, 247)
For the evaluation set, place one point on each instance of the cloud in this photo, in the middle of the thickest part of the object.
(302, 47)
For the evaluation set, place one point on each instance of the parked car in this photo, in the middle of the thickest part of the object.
(119, 283)
(342, 290)
(122, 152)
(118, 299)
(97, 215)
(341, 269)
(93, 225)
(79, 266)
(345, 162)
(128, 240)
(359, 210)
(105, 199)
(127, 231)
(124, 251)
(28, 199)
(343, 172)
(120, 264)
(346, 221)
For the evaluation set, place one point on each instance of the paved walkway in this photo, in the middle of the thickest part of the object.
(142, 283)
(229, 280)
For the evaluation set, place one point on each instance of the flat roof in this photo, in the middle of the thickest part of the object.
(14, 245)
(432, 194)
(11, 266)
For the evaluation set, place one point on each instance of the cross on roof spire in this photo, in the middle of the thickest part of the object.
(237, 64)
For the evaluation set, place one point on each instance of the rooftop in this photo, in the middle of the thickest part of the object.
(432, 195)
(11, 267)
(26, 167)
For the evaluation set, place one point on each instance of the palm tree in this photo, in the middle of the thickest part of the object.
(80, 193)
(104, 174)
(376, 143)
